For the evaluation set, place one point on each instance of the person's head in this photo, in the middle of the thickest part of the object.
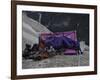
(28, 45)
(35, 45)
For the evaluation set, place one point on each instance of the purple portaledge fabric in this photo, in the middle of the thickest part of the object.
(59, 39)
(70, 52)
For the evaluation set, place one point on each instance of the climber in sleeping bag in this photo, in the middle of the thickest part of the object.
(62, 42)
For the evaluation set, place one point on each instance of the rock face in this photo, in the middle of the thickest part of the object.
(31, 30)
(83, 46)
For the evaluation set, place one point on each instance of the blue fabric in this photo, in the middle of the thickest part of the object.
(61, 42)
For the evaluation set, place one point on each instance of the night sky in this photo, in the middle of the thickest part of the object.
(60, 22)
